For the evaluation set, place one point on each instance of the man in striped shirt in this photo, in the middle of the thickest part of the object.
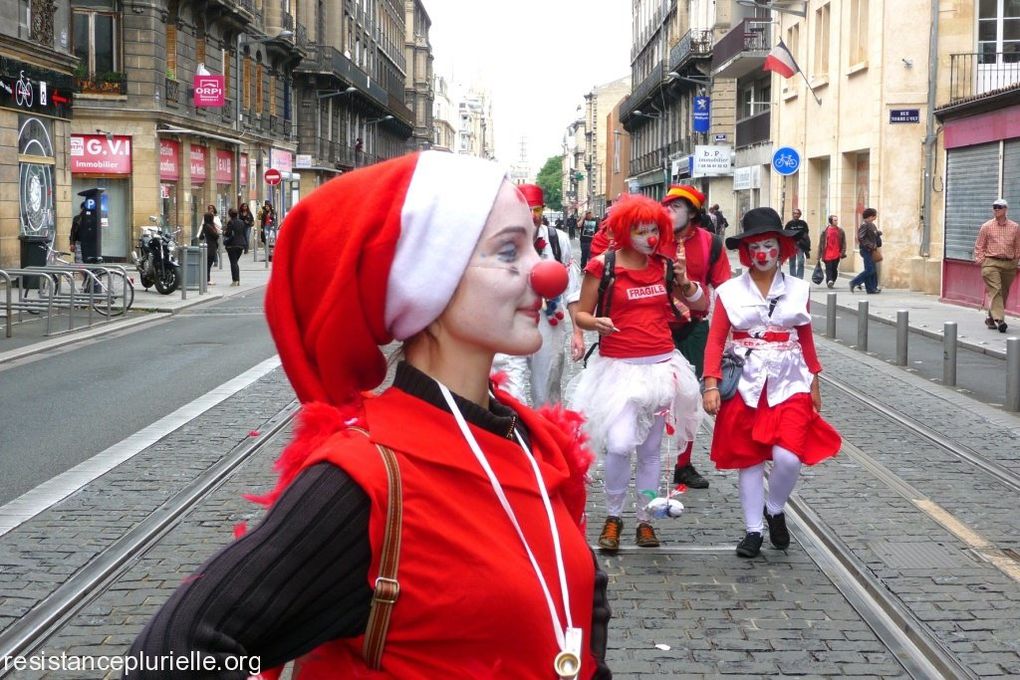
(997, 251)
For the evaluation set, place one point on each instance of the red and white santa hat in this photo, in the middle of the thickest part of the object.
(372, 256)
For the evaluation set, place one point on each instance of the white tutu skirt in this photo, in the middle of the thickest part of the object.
(603, 390)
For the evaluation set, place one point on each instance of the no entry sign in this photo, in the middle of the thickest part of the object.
(273, 177)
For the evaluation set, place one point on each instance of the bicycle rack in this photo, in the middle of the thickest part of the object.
(23, 304)
(7, 288)
(90, 271)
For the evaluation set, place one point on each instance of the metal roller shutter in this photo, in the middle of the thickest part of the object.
(972, 181)
(1011, 175)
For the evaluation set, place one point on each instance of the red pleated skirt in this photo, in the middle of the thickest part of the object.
(744, 436)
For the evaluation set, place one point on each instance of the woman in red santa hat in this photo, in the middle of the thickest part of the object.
(637, 380)
(491, 575)
(774, 413)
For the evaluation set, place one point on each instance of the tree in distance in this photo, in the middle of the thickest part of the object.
(550, 178)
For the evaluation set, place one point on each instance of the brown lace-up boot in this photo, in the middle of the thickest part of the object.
(609, 539)
(646, 537)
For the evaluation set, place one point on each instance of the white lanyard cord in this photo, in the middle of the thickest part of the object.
(498, 489)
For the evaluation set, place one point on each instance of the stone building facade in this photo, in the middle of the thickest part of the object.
(419, 93)
(36, 86)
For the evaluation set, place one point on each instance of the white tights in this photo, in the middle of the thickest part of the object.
(782, 479)
(619, 444)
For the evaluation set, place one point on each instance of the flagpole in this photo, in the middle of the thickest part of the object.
(809, 88)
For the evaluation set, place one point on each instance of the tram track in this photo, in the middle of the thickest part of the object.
(35, 626)
(917, 649)
(998, 472)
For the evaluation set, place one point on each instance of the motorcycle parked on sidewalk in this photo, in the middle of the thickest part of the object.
(156, 258)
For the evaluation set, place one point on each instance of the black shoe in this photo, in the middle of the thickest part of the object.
(991, 323)
(854, 288)
(1002, 326)
(750, 546)
(689, 476)
(873, 292)
(830, 284)
(779, 535)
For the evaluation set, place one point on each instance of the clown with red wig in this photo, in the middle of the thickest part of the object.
(762, 316)
(637, 381)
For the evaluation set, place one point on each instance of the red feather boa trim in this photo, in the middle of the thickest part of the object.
(316, 423)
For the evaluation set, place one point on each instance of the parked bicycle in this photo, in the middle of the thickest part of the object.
(112, 291)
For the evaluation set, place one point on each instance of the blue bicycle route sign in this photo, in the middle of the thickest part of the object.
(786, 161)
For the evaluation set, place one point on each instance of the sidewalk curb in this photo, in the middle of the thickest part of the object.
(154, 313)
(934, 335)
(71, 338)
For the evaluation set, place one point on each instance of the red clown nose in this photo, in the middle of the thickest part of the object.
(653, 241)
(761, 256)
(549, 278)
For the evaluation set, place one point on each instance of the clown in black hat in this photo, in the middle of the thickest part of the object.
(773, 412)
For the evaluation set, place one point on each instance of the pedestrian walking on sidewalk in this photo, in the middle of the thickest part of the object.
(774, 413)
(637, 380)
(832, 249)
(543, 370)
(434, 530)
(244, 212)
(869, 241)
(236, 243)
(803, 240)
(267, 220)
(210, 234)
(997, 251)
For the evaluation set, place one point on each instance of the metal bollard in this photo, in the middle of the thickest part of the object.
(184, 272)
(1013, 374)
(862, 325)
(203, 268)
(902, 335)
(949, 353)
(830, 315)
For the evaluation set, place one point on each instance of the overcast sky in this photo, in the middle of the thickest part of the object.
(536, 57)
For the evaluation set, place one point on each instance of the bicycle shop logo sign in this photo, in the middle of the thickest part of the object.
(110, 155)
(209, 91)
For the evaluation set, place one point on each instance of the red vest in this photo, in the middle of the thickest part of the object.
(470, 604)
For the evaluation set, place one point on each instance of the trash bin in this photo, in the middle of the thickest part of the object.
(33, 254)
(191, 264)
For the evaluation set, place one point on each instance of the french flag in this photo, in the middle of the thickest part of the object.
(781, 61)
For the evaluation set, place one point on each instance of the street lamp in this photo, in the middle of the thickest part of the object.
(326, 94)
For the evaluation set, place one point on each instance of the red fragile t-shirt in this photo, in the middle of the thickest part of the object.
(639, 308)
(832, 249)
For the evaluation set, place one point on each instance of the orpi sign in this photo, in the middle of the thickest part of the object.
(209, 91)
(273, 177)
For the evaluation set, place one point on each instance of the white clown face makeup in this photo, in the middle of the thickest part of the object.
(764, 254)
(645, 238)
(494, 307)
(681, 214)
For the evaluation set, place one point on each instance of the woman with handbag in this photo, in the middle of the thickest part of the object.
(869, 238)
(832, 249)
(434, 530)
(637, 380)
(210, 234)
(773, 413)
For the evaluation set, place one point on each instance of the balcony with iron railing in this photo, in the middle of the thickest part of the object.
(694, 44)
(287, 21)
(642, 92)
(976, 76)
(742, 50)
(227, 112)
(172, 91)
(753, 129)
(301, 35)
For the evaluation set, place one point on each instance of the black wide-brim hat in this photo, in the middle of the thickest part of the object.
(758, 221)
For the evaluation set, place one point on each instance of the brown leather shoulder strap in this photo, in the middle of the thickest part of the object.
(387, 589)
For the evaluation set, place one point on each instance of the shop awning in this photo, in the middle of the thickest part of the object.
(199, 133)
